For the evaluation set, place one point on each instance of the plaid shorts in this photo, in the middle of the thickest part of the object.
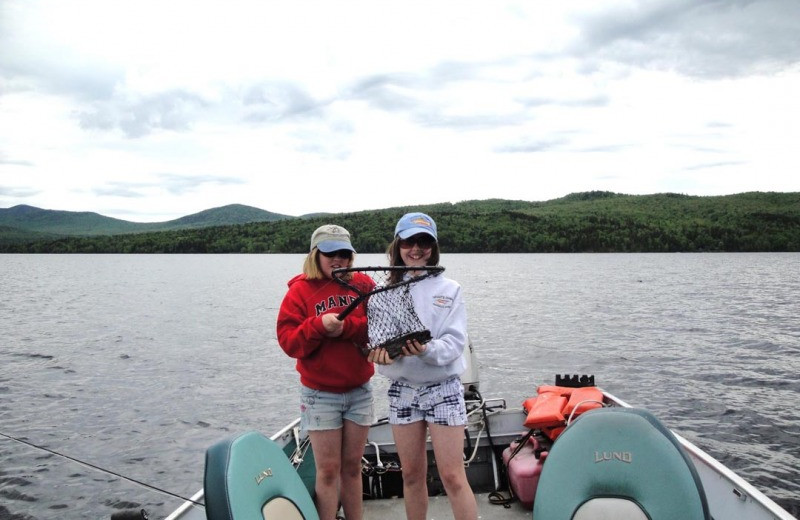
(439, 403)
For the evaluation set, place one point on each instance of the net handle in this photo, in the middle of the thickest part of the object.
(337, 274)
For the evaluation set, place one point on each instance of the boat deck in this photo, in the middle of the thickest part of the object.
(439, 509)
(728, 495)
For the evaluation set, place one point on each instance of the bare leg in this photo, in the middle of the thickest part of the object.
(410, 441)
(327, 445)
(354, 438)
(448, 448)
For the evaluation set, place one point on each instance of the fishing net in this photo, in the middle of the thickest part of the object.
(391, 318)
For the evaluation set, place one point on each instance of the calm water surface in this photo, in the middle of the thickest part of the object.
(137, 363)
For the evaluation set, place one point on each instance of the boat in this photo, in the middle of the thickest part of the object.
(494, 429)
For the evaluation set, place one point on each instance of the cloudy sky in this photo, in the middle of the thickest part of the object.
(151, 110)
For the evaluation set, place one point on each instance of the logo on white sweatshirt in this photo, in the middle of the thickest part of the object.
(444, 302)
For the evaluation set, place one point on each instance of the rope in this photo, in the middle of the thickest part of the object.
(496, 497)
(575, 409)
(98, 468)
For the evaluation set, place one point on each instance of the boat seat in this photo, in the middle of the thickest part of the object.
(249, 477)
(619, 464)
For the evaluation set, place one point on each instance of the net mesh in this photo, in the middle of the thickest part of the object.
(386, 293)
(392, 320)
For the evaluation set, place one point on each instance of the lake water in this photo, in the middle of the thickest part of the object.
(137, 363)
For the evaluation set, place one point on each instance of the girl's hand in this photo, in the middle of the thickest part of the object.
(333, 326)
(380, 356)
(414, 348)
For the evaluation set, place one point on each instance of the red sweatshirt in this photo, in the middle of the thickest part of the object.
(327, 364)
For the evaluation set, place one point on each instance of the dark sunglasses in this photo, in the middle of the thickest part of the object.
(423, 241)
(344, 254)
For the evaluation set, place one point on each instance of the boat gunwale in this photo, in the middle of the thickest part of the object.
(737, 483)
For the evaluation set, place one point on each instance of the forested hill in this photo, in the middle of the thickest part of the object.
(24, 219)
(580, 222)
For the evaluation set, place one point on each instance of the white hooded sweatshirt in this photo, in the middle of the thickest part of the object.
(440, 307)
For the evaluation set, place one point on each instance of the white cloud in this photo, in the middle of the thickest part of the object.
(152, 110)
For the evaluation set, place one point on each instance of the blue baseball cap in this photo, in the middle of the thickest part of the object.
(411, 224)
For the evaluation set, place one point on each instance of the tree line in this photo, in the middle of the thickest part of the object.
(599, 222)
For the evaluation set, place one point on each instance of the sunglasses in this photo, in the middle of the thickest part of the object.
(344, 254)
(423, 241)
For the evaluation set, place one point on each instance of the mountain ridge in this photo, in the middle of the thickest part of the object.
(24, 218)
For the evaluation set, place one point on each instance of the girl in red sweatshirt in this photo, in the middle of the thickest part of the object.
(336, 396)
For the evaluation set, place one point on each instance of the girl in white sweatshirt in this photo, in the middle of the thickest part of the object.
(426, 392)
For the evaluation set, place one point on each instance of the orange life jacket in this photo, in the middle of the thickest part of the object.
(545, 410)
(548, 410)
(584, 399)
(560, 390)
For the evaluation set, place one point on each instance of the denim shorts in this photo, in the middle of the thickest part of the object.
(438, 403)
(327, 410)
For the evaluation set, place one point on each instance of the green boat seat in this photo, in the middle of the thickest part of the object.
(249, 477)
(619, 464)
